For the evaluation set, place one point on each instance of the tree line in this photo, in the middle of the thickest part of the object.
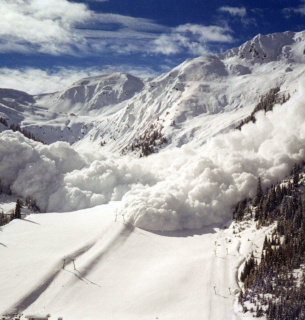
(28, 202)
(16, 127)
(148, 142)
(267, 102)
(270, 282)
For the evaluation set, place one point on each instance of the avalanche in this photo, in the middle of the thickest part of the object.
(180, 188)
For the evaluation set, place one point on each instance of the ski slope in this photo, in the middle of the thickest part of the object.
(121, 272)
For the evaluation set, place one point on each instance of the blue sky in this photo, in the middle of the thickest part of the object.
(47, 44)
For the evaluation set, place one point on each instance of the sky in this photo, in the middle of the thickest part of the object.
(45, 45)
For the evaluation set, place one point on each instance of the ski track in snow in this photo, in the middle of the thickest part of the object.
(44, 284)
(120, 271)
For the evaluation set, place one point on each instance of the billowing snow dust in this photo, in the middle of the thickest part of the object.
(189, 187)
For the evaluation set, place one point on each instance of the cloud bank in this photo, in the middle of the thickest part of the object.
(179, 188)
(63, 27)
(37, 81)
(32, 25)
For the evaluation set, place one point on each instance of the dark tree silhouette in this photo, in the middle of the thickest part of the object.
(259, 193)
(17, 214)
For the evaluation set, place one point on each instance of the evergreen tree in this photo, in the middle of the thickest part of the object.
(295, 173)
(17, 214)
(279, 194)
(259, 193)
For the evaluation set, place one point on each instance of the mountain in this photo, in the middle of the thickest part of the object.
(196, 100)
(68, 115)
(189, 113)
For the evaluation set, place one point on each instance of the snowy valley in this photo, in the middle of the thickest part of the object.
(137, 181)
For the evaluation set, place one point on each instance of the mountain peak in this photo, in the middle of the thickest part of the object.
(96, 92)
(267, 48)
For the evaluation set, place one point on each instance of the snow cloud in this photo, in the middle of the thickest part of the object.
(179, 188)
(202, 188)
(48, 174)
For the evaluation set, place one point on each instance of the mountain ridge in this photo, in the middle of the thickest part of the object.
(116, 110)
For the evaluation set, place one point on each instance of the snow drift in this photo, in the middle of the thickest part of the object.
(180, 188)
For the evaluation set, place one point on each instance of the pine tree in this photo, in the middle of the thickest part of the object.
(295, 172)
(17, 214)
(283, 252)
(279, 194)
(259, 192)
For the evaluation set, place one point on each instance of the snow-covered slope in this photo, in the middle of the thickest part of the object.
(119, 272)
(98, 92)
(68, 115)
(194, 101)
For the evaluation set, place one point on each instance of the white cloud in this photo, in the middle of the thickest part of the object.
(240, 12)
(297, 10)
(36, 81)
(139, 24)
(63, 27)
(234, 11)
(47, 174)
(33, 25)
(192, 38)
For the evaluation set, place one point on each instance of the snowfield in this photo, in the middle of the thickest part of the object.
(121, 272)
